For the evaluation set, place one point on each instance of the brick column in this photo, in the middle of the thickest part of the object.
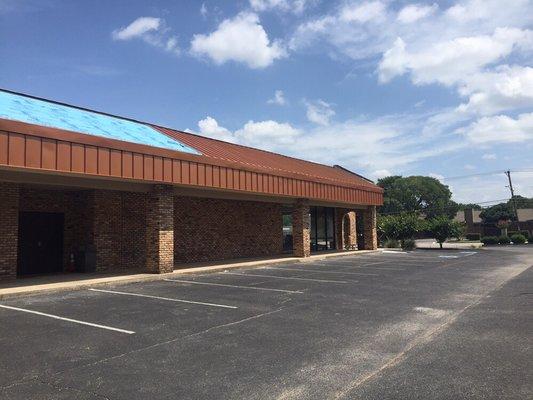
(339, 235)
(9, 221)
(301, 241)
(160, 230)
(345, 229)
(370, 231)
(352, 231)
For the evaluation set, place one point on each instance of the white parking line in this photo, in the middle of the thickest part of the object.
(233, 286)
(286, 277)
(384, 268)
(163, 298)
(366, 266)
(320, 271)
(350, 263)
(109, 328)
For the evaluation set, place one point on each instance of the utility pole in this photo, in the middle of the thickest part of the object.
(508, 173)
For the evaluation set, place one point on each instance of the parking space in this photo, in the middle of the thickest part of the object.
(294, 330)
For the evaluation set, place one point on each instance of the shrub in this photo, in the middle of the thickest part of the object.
(487, 240)
(408, 244)
(473, 236)
(504, 240)
(523, 233)
(399, 227)
(518, 238)
(391, 244)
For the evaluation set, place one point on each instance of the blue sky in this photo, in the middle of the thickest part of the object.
(441, 88)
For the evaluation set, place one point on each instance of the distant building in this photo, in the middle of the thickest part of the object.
(474, 223)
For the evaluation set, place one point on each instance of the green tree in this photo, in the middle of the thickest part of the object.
(521, 202)
(416, 194)
(443, 228)
(400, 227)
(472, 206)
(498, 212)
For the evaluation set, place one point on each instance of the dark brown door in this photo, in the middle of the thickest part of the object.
(40, 244)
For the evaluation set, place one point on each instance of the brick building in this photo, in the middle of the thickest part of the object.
(83, 190)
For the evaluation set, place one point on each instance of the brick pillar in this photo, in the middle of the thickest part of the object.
(160, 230)
(9, 221)
(301, 241)
(370, 231)
(345, 229)
(352, 231)
(339, 236)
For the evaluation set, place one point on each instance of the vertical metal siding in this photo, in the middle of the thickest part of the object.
(34, 152)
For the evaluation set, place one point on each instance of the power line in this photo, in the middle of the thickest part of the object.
(524, 170)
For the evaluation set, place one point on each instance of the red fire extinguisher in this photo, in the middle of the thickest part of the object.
(71, 264)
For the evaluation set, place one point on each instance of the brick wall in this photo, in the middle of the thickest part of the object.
(117, 229)
(9, 198)
(214, 229)
(110, 222)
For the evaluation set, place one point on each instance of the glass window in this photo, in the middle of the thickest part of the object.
(287, 232)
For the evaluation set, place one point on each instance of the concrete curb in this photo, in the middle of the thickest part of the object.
(84, 283)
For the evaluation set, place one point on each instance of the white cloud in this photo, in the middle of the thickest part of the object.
(415, 12)
(294, 6)
(362, 13)
(152, 31)
(319, 112)
(436, 176)
(500, 129)
(267, 134)
(376, 145)
(241, 39)
(450, 62)
(489, 156)
(203, 10)
(209, 127)
(504, 88)
(381, 173)
(278, 99)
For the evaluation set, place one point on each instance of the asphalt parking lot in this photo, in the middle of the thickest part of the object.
(419, 325)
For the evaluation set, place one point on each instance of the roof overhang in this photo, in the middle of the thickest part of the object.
(32, 147)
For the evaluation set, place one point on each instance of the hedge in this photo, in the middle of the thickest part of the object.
(473, 236)
(523, 233)
(518, 239)
(504, 240)
(489, 240)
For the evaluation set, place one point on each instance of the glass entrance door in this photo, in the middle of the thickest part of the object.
(322, 228)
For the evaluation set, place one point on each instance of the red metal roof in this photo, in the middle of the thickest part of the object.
(221, 165)
(268, 162)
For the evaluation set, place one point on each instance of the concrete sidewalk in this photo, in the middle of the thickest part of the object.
(74, 281)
